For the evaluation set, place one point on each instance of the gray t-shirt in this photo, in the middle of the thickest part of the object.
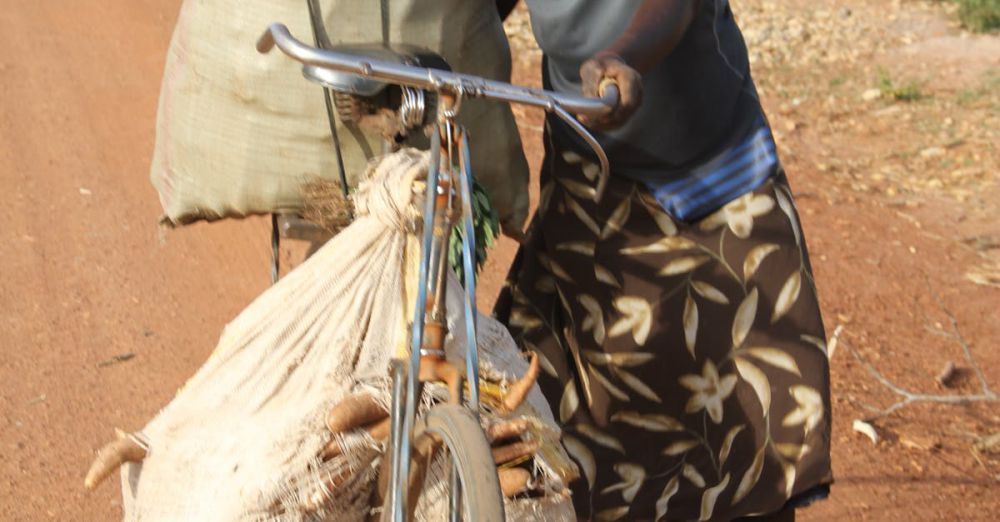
(698, 101)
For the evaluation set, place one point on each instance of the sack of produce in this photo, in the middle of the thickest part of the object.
(239, 133)
(261, 431)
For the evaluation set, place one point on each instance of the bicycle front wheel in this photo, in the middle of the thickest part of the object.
(474, 487)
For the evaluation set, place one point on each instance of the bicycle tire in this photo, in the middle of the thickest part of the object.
(472, 457)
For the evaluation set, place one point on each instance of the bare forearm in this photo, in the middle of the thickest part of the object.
(654, 32)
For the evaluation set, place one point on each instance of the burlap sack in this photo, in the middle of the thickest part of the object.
(239, 133)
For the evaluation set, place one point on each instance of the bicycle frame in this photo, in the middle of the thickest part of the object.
(449, 175)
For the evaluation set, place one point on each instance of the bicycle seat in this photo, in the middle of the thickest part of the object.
(362, 86)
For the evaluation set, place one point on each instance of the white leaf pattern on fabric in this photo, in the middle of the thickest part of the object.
(637, 317)
(775, 357)
(690, 320)
(600, 437)
(739, 214)
(755, 257)
(666, 244)
(594, 320)
(569, 403)
(668, 492)
(751, 476)
(692, 475)
(546, 284)
(605, 276)
(618, 218)
(611, 514)
(757, 380)
(792, 452)
(613, 390)
(787, 297)
(727, 443)
(679, 447)
(543, 362)
(786, 205)
(545, 197)
(709, 498)
(555, 268)
(708, 391)
(571, 158)
(523, 319)
(809, 410)
(586, 248)
(638, 386)
(582, 215)
(650, 422)
(591, 170)
(622, 359)
(582, 455)
(709, 292)
(633, 475)
(815, 341)
(790, 473)
(682, 265)
(578, 189)
(745, 315)
(662, 219)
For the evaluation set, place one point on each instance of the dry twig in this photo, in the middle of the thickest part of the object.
(909, 397)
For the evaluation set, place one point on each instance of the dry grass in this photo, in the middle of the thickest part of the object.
(325, 205)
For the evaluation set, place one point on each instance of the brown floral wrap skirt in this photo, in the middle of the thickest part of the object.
(686, 361)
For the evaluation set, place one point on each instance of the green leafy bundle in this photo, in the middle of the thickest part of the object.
(486, 226)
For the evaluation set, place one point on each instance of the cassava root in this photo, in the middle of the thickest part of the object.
(354, 411)
(507, 430)
(519, 389)
(379, 431)
(514, 481)
(109, 458)
(514, 451)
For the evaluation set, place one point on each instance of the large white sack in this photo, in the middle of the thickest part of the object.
(239, 133)
(240, 440)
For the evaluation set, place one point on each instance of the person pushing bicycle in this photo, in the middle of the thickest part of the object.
(676, 313)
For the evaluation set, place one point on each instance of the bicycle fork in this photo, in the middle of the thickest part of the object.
(449, 165)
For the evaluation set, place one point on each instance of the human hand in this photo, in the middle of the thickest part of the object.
(604, 67)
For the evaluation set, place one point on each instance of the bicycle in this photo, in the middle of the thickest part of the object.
(356, 73)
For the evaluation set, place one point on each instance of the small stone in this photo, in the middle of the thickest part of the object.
(919, 443)
(871, 95)
(932, 152)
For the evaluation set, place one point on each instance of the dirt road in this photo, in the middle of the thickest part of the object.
(84, 273)
(102, 317)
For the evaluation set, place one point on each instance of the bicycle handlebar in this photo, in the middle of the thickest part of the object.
(433, 79)
(457, 84)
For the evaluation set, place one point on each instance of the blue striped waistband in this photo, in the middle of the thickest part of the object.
(727, 176)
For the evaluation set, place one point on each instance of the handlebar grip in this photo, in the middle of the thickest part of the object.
(266, 41)
(609, 93)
